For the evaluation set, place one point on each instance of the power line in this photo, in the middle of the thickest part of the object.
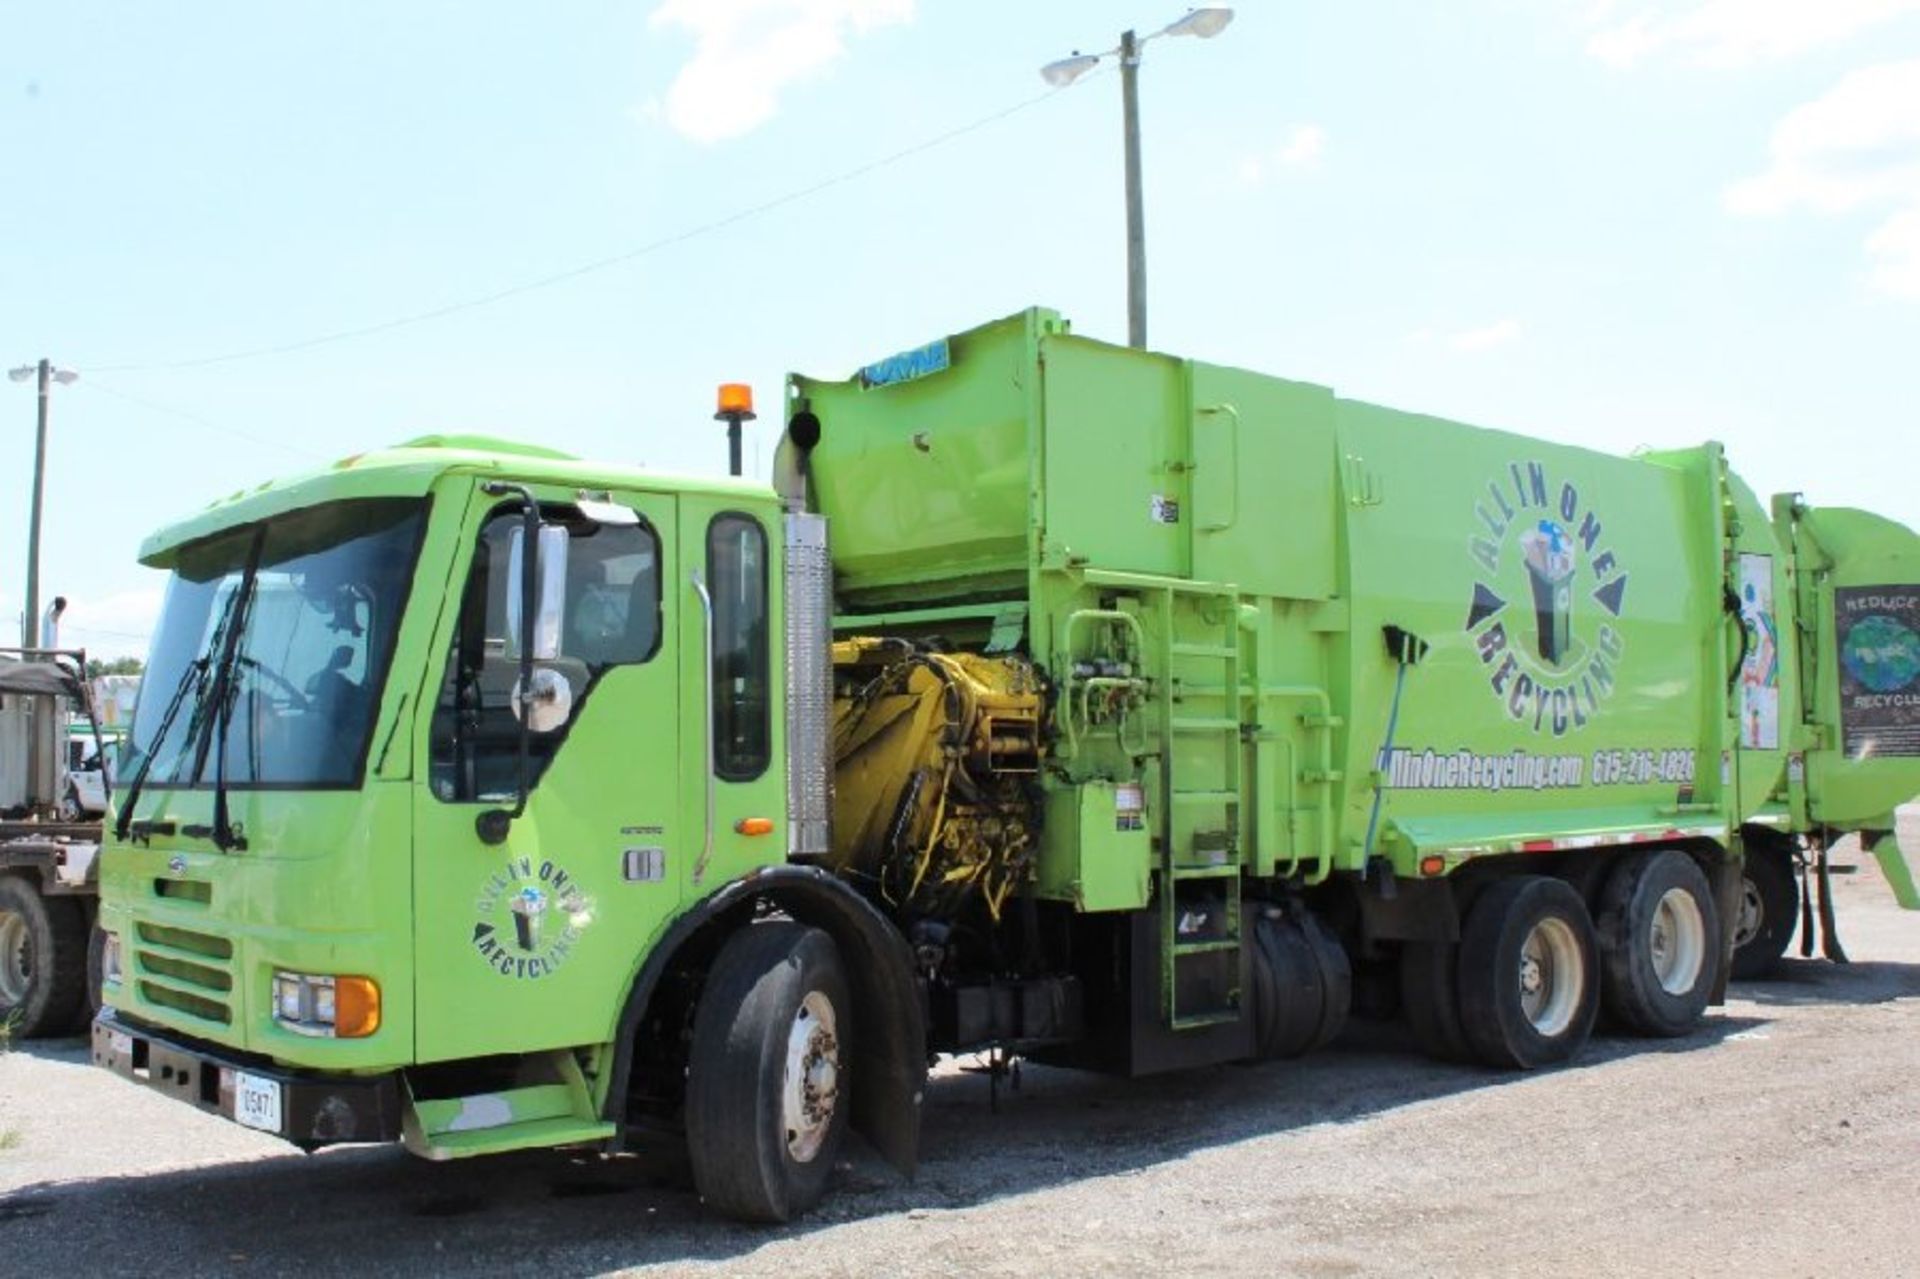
(93, 384)
(586, 268)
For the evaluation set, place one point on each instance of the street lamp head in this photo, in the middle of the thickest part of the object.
(65, 377)
(1064, 72)
(1205, 23)
(22, 373)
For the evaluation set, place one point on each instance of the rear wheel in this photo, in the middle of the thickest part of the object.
(1429, 993)
(1528, 979)
(1302, 984)
(1769, 908)
(43, 959)
(1659, 943)
(767, 1074)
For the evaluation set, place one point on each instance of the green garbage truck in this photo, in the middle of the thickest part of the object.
(1096, 706)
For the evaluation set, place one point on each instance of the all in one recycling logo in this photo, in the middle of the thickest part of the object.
(1548, 590)
(528, 918)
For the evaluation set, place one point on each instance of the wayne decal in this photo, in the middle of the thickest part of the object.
(1545, 597)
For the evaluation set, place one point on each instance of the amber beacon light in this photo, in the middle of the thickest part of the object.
(736, 406)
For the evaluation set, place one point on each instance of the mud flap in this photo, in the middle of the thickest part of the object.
(1893, 864)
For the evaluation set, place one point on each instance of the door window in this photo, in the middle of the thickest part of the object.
(742, 702)
(611, 618)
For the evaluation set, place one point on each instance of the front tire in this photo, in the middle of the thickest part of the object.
(1659, 943)
(43, 959)
(1528, 975)
(767, 1073)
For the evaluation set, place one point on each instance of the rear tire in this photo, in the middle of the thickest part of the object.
(1528, 974)
(1769, 909)
(43, 959)
(1659, 943)
(1429, 992)
(1302, 984)
(767, 1073)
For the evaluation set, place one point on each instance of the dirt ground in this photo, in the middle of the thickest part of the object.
(1781, 1139)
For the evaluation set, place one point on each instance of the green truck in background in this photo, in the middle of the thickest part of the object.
(1109, 708)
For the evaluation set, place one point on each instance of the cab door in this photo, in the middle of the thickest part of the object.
(528, 943)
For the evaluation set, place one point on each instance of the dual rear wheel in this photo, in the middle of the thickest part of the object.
(1526, 982)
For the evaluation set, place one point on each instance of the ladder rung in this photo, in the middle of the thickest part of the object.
(1205, 650)
(1206, 947)
(1206, 797)
(1225, 870)
(1198, 1021)
(1205, 724)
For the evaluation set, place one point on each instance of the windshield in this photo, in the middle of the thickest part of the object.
(316, 597)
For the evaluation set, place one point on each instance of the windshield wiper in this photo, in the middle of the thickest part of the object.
(226, 691)
(194, 683)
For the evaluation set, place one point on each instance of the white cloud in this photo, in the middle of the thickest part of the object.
(1304, 146)
(1855, 148)
(1499, 333)
(747, 52)
(1732, 33)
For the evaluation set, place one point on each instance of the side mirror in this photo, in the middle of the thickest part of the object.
(549, 592)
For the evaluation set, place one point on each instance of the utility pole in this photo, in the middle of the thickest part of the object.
(1136, 205)
(47, 375)
(1203, 23)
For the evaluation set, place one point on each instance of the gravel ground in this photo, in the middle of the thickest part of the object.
(1783, 1138)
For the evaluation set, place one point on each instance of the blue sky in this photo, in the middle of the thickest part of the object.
(1639, 222)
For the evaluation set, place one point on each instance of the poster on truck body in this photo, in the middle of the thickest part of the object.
(1877, 632)
(1760, 669)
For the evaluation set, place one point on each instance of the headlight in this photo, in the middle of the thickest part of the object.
(331, 1007)
(110, 960)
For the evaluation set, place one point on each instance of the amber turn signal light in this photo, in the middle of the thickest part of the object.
(754, 826)
(356, 1007)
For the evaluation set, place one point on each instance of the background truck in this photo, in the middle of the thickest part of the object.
(49, 842)
(1114, 709)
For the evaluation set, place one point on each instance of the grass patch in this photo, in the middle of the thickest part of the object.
(9, 1138)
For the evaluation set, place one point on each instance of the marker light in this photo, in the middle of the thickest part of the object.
(736, 400)
(326, 1007)
(754, 825)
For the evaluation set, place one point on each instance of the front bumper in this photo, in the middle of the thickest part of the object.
(315, 1109)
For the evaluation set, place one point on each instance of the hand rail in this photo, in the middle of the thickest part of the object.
(706, 686)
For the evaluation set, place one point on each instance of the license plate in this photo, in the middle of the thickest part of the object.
(120, 1043)
(256, 1102)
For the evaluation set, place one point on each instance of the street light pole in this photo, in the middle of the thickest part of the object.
(1136, 203)
(1203, 23)
(30, 624)
(47, 375)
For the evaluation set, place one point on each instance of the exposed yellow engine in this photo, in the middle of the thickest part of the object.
(935, 763)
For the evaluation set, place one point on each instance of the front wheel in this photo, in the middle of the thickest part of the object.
(1528, 980)
(767, 1073)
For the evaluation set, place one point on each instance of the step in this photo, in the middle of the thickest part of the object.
(1204, 724)
(530, 1135)
(1199, 1021)
(1225, 870)
(1212, 947)
(1205, 650)
(1206, 797)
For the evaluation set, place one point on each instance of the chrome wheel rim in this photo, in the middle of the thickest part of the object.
(1552, 976)
(1753, 913)
(810, 1088)
(16, 959)
(1677, 941)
